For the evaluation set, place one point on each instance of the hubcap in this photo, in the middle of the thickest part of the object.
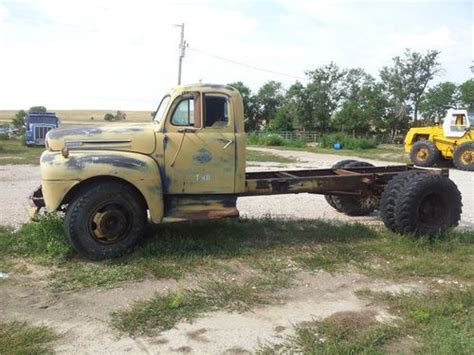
(467, 157)
(422, 154)
(432, 210)
(109, 223)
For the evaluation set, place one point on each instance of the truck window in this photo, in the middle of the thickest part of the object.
(183, 114)
(161, 108)
(216, 111)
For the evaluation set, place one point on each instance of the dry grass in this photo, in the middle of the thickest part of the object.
(77, 117)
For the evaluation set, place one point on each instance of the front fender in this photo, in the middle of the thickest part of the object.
(59, 175)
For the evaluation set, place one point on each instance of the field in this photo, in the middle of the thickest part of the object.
(78, 117)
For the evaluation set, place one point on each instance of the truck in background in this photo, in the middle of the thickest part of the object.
(37, 125)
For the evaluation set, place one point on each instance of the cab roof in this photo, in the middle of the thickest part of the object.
(229, 90)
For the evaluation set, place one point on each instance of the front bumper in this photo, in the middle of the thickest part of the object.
(35, 203)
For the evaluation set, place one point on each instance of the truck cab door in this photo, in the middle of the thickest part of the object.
(200, 145)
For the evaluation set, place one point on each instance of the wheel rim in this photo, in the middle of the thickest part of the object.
(422, 154)
(109, 223)
(432, 210)
(467, 157)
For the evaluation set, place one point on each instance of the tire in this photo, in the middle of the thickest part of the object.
(428, 205)
(424, 153)
(356, 205)
(463, 156)
(338, 165)
(390, 195)
(105, 220)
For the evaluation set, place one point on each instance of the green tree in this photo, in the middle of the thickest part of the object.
(109, 117)
(407, 79)
(282, 121)
(466, 95)
(250, 105)
(37, 109)
(438, 99)
(323, 94)
(270, 99)
(18, 121)
(364, 111)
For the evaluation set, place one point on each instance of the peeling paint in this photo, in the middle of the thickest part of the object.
(113, 160)
(202, 156)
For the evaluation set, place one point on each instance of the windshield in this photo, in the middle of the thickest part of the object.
(160, 111)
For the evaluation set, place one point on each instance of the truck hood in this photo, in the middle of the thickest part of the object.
(125, 137)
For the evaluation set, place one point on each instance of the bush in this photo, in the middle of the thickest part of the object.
(351, 143)
(23, 140)
(274, 140)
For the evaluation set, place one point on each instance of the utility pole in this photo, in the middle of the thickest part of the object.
(182, 51)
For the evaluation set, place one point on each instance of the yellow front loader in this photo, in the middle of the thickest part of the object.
(453, 140)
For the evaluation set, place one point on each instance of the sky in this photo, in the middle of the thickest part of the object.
(123, 54)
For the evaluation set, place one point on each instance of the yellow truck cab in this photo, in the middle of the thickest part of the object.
(188, 163)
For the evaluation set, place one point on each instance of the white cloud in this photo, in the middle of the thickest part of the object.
(123, 54)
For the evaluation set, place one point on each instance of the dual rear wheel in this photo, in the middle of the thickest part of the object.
(412, 202)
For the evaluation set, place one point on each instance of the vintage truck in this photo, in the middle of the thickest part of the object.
(189, 163)
(37, 125)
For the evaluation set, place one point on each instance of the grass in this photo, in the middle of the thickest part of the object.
(76, 117)
(257, 156)
(341, 333)
(271, 139)
(20, 338)
(13, 152)
(441, 321)
(175, 250)
(384, 152)
(275, 251)
(163, 312)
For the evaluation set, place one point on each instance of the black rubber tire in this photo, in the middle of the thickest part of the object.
(390, 195)
(339, 164)
(428, 205)
(80, 210)
(356, 205)
(458, 160)
(432, 153)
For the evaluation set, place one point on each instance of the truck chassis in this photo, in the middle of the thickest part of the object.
(411, 200)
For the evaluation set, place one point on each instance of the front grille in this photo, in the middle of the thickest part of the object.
(40, 132)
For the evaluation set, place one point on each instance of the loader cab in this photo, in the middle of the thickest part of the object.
(456, 123)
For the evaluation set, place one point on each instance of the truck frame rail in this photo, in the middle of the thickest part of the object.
(346, 181)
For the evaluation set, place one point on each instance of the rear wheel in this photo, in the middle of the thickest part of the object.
(424, 153)
(428, 205)
(338, 165)
(105, 220)
(390, 195)
(356, 205)
(463, 156)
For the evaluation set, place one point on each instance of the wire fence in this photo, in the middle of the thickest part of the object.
(315, 137)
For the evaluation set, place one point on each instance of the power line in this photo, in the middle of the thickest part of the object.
(246, 65)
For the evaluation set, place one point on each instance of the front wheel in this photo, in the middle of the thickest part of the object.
(463, 156)
(105, 220)
(424, 153)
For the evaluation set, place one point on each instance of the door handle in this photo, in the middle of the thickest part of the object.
(229, 142)
(226, 141)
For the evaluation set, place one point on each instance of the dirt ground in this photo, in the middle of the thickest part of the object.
(83, 317)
